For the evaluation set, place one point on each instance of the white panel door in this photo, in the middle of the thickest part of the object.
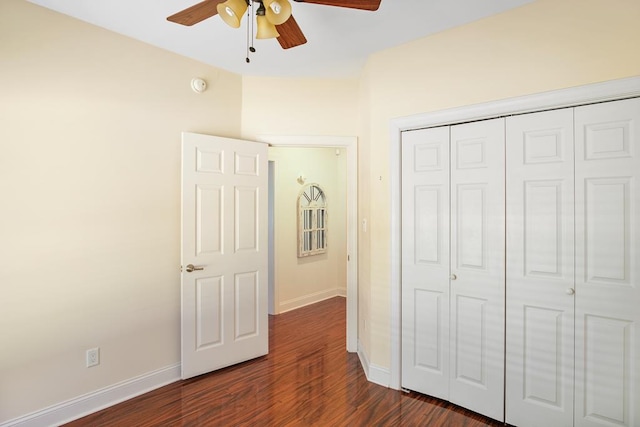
(608, 264)
(425, 261)
(540, 270)
(224, 237)
(477, 267)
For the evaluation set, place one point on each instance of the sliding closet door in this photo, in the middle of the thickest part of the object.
(425, 261)
(608, 264)
(477, 267)
(540, 270)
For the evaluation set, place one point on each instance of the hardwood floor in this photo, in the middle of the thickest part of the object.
(308, 379)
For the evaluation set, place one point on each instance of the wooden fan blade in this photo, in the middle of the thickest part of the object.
(290, 34)
(351, 4)
(196, 13)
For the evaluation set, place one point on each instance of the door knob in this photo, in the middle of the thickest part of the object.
(570, 291)
(191, 267)
(453, 277)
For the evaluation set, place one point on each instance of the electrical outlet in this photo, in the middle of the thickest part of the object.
(93, 357)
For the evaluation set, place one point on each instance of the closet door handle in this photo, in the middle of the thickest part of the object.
(453, 277)
(570, 291)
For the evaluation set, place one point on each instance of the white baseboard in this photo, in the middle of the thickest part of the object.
(379, 375)
(97, 400)
(299, 302)
(375, 374)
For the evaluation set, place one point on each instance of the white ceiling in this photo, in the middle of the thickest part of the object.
(339, 39)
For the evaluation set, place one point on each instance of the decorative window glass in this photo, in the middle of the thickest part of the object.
(312, 221)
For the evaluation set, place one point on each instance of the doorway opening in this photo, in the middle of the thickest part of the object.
(347, 147)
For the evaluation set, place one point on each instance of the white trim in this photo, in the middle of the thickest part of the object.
(94, 401)
(598, 92)
(364, 360)
(375, 374)
(379, 375)
(313, 298)
(395, 256)
(350, 143)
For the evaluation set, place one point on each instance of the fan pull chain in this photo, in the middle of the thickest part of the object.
(250, 47)
(248, 29)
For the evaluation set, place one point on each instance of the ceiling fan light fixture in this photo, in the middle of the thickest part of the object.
(231, 12)
(277, 11)
(266, 30)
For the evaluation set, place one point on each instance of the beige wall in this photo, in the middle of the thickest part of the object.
(546, 45)
(90, 128)
(305, 106)
(302, 281)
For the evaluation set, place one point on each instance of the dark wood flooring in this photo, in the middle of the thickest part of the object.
(308, 379)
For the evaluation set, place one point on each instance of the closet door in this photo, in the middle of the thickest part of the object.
(608, 264)
(425, 261)
(477, 267)
(540, 269)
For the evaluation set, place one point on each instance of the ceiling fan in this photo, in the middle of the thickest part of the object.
(273, 17)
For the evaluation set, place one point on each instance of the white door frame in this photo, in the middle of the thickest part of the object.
(350, 144)
(598, 92)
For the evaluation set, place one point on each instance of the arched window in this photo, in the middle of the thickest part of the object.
(312, 221)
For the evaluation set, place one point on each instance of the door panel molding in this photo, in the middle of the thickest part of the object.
(426, 262)
(540, 259)
(608, 264)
